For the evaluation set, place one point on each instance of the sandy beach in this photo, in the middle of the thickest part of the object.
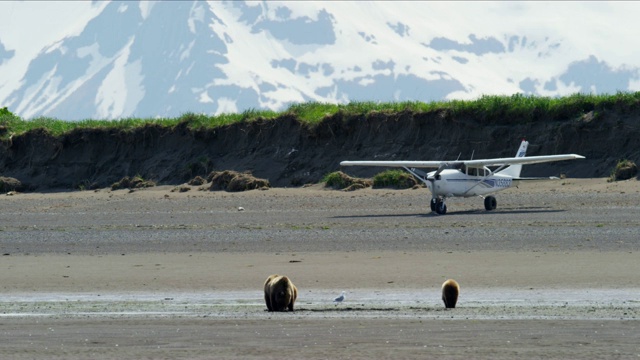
(161, 274)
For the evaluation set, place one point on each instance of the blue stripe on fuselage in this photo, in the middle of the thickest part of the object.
(487, 183)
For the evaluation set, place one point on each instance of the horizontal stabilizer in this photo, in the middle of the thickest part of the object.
(536, 178)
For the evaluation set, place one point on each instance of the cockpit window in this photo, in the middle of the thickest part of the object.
(472, 171)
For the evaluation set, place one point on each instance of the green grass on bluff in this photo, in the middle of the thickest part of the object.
(513, 109)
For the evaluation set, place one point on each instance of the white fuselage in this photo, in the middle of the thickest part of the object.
(452, 182)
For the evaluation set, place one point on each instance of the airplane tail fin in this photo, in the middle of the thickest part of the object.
(514, 170)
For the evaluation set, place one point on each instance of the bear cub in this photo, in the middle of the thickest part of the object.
(450, 292)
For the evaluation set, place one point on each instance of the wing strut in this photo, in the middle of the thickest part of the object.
(484, 177)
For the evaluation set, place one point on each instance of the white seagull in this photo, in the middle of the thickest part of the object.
(339, 299)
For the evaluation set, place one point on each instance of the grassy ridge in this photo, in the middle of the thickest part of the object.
(516, 108)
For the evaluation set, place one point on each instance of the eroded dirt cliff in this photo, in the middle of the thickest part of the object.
(290, 153)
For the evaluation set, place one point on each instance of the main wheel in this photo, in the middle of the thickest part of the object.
(433, 204)
(490, 203)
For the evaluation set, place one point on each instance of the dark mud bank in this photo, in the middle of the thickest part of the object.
(290, 153)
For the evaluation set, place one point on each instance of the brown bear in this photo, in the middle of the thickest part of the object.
(279, 293)
(450, 292)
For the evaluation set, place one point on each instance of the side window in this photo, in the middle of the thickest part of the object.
(477, 171)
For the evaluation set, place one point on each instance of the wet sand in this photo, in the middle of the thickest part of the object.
(159, 274)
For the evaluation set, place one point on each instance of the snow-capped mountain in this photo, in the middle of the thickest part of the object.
(103, 60)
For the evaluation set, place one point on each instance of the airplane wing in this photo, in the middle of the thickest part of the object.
(469, 163)
(397, 163)
(521, 160)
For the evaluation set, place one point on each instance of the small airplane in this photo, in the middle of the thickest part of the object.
(466, 178)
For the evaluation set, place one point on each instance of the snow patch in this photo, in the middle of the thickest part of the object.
(123, 8)
(226, 106)
(145, 8)
(197, 14)
(205, 98)
(121, 90)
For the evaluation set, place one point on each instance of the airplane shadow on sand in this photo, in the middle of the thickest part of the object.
(528, 210)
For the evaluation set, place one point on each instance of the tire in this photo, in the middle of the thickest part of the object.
(441, 208)
(490, 203)
(433, 203)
